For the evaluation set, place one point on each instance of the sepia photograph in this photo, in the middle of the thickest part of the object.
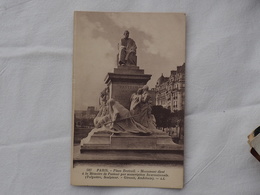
(128, 99)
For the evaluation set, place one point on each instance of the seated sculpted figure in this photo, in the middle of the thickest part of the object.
(103, 96)
(127, 50)
(135, 100)
(146, 117)
(102, 116)
(141, 108)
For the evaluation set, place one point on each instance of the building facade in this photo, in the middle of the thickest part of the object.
(170, 91)
(83, 118)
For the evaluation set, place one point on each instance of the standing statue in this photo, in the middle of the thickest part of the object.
(127, 51)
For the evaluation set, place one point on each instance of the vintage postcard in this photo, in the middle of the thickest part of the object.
(128, 99)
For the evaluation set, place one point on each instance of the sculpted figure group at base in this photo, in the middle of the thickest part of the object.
(114, 117)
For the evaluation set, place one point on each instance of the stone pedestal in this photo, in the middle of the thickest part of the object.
(124, 81)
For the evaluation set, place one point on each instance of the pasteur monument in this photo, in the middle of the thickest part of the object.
(125, 128)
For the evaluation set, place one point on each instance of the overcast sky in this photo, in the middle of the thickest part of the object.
(160, 40)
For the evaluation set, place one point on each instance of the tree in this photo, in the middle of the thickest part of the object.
(162, 116)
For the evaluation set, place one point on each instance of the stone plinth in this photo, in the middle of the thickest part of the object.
(124, 81)
(129, 69)
(132, 147)
(130, 142)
